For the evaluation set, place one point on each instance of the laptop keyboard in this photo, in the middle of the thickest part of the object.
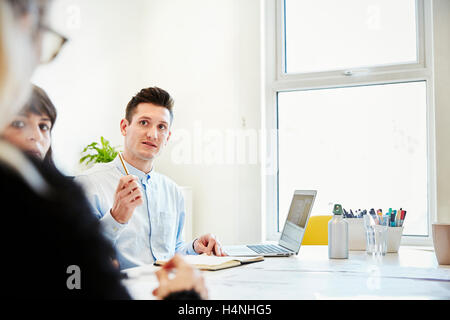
(267, 248)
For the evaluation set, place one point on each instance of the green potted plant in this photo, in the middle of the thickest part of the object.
(99, 153)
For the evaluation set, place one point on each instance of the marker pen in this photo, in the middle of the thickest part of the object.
(392, 224)
(404, 216)
(398, 217)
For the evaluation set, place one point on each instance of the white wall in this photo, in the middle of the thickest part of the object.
(206, 53)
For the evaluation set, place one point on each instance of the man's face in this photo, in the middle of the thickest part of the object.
(148, 132)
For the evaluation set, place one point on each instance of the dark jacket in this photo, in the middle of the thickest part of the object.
(43, 235)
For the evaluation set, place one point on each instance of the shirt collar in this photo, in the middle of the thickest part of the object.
(132, 170)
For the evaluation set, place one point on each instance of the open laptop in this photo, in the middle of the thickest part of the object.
(293, 230)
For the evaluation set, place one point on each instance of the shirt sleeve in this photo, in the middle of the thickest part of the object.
(182, 247)
(111, 228)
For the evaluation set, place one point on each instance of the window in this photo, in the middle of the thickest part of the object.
(325, 35)
(349, 98)
(363, 147)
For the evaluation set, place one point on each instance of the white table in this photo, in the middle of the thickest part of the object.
(413, 273)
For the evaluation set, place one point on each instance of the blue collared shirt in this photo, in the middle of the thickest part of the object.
(154, 231)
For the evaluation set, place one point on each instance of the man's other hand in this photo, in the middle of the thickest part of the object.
(208, 244)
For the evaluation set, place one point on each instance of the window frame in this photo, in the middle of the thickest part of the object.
(276, 80)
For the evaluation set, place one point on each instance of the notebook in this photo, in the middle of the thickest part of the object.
(213, 263)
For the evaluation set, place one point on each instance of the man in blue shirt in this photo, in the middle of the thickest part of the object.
(142, 212)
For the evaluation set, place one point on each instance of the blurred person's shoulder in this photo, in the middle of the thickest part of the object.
(45, 234)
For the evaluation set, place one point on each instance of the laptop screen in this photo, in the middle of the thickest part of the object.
(295, 225)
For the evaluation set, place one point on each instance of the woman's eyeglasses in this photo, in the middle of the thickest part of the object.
(51, 44)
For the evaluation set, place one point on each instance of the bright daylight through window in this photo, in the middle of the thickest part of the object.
(328, 35)
(364, 147)
(350, 99)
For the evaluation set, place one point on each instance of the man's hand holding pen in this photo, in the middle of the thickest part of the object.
(128, 196)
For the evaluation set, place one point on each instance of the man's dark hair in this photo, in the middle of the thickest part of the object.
(154, 95)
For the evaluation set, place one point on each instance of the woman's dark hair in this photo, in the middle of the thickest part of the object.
(40, 104)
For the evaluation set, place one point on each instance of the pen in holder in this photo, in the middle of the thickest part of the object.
(357, 233)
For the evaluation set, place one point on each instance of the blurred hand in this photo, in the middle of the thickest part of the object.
(128, 196)
(208, 244)
(116, 264)
(186, 278)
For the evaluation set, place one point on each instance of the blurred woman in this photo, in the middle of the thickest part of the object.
(50, 243)
(31, 128)
(53, 234)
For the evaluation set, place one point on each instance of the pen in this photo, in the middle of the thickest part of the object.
(380, 213)
(402, 218)
(346, 214)
(392, 218)
(398, 218)
(123, 164)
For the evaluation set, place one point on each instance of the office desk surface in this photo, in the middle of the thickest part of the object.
(412, 273)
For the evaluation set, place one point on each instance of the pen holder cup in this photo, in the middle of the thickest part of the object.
(357, 236)
(394, 239)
